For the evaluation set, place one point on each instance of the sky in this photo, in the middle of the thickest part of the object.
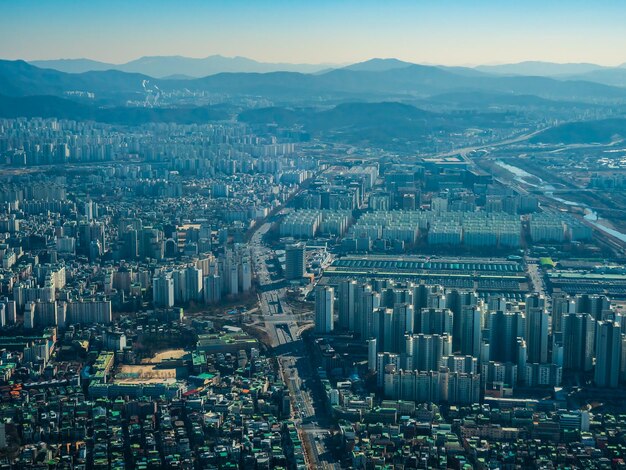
(447, 32)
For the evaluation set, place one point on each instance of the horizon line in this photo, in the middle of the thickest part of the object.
(338, 64)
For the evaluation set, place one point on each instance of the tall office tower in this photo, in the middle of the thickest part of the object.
(455, 301)
(163, 291)
(578, 341)
(324, 309)
(592, 304)
(471, 330)
(536, 329)
(346, 293)
(434, 321)
(193, 284)
(608, 355)
(295, 263)
(372, 353)
(504, 329)
(367, 301)
(562, 304)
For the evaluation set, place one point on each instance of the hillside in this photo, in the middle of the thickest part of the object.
(602, 131)
(52, 106)
(165, 66)
(17, 78)
(386, 124)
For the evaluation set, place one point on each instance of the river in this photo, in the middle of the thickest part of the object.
(522, 176)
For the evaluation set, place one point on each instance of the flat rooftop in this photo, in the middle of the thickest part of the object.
(404, 263)
(492, 275)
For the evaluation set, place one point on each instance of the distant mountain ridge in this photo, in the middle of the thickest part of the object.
(73, 65)
(539, 68)
(388, 81)
(378, 65)
(179, 67)
(164, 66)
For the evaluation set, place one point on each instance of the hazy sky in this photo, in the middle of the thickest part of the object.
(450, 32)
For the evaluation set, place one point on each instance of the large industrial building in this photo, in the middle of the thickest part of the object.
(482, 274)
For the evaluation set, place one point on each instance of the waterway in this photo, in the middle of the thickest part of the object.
(522, 176)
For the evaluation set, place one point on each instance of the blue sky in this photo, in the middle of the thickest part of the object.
(451, 32)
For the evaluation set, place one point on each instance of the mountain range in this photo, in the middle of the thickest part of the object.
(374, 80)
(542, 69)
(361, 102)
(179, 67)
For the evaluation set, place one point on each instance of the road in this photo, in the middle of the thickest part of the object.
(463, 152)
(277, 319)
(310, 420)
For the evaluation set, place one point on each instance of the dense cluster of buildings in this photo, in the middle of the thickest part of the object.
(491, 435)
(432, 205)
(110, 236)
(106, 234)
(428, 343)
(224, 403)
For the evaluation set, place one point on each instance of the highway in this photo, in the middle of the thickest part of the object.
(275, 317)
(463, 152)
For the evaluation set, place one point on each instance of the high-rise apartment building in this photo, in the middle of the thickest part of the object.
(324, 309)
(295, 263)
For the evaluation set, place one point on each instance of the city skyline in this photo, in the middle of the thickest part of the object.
(290, 235)
(446, 33)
